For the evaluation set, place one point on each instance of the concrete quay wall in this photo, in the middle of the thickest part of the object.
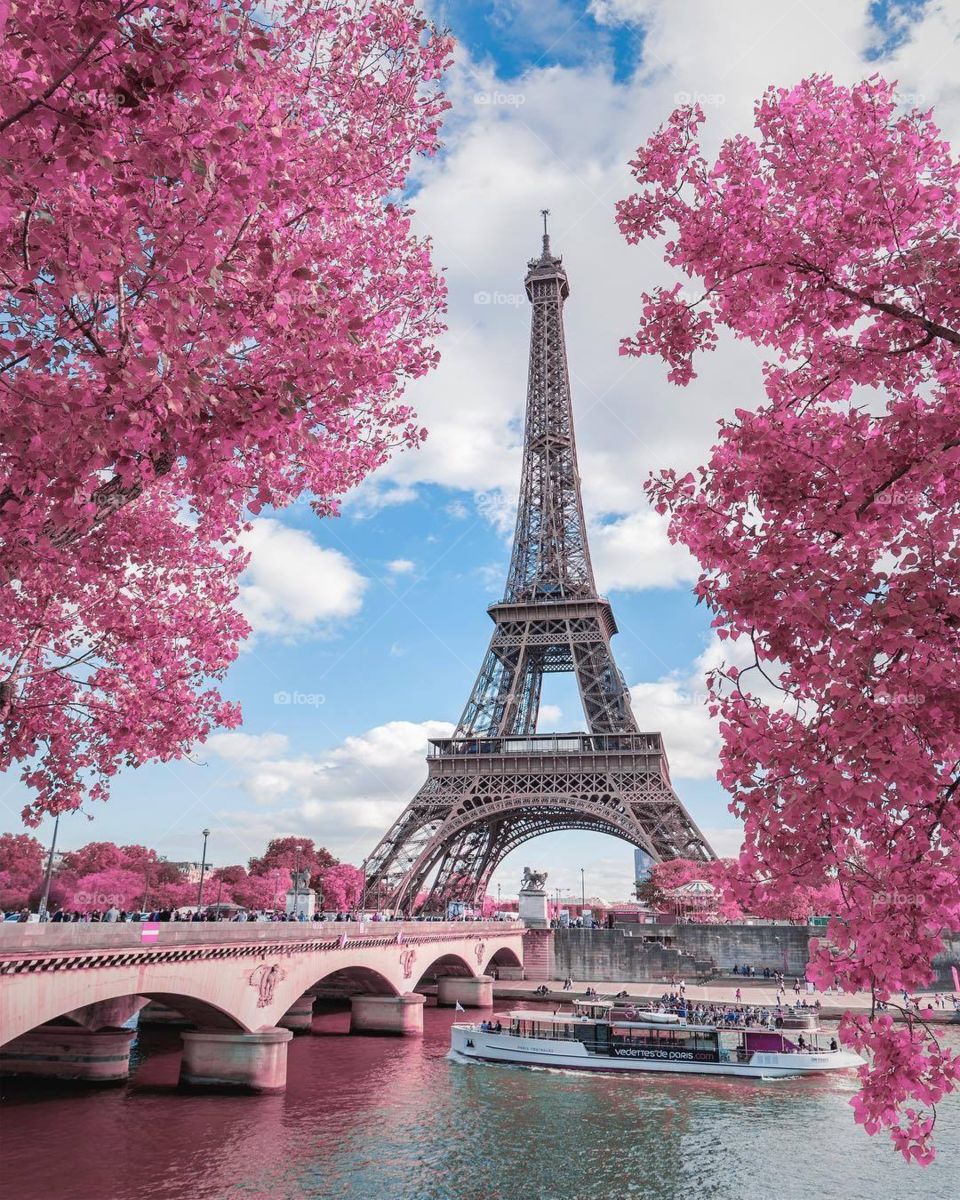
(606, 955)
(661, 951)
(780, 947)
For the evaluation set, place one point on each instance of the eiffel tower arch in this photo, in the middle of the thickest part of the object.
(497, 783)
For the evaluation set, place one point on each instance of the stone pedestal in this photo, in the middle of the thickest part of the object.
(60, 1052)
(248, 1062)
(397, 1015)
(302, 902)
(532, 909)
(299, 1017)
(470, 993)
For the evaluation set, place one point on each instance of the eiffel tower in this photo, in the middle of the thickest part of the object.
(497, 783)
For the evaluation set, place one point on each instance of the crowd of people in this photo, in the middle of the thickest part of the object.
(745, 1015)
(213, 912)
(113, 915)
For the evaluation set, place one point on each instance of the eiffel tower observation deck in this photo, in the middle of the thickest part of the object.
(497, 783)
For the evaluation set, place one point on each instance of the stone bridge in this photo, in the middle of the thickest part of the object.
(66, 990)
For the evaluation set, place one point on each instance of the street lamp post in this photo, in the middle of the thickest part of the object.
(44, 900)
(146, 887)
(583, 894)
(203, 868)
(296, 886)
(498, 899)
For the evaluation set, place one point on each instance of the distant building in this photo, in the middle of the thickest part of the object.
(191, 870)
(642, 862)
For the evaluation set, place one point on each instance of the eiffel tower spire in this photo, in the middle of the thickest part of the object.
(550, 555)
(496, 783)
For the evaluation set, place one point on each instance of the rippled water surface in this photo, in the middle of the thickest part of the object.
(381, 1119)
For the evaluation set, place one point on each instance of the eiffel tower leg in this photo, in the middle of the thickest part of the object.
(491, 695)
(605, 696)
(458, 876)
(390, 863)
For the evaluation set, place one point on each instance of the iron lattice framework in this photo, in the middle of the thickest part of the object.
(496, 783)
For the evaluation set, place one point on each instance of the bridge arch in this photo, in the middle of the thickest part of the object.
(354, 981)
(445, 965)
(104, 1000)
(504, 957)
(502, 825)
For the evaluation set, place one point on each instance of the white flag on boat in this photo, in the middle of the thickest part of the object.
(458, 1007)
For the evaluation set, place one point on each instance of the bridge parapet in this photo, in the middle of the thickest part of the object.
(17, 940)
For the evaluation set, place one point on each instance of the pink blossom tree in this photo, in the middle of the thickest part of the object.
(115, 886)
(826, 525)
(264, 892)
(288, 852)
(213, 301)
(21, 868)
(104, 856)
(342, 886)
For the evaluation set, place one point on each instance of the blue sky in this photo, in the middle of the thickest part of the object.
(372, 626)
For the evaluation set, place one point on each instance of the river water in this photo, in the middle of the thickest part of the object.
(368, 1118)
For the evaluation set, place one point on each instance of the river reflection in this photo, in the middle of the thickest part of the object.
(382, 1119)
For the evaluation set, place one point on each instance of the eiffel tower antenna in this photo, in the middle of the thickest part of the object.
(497, 783)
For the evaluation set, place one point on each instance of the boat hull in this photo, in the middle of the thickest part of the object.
(472, 1043)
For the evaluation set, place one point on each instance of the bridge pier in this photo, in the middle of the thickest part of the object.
(398, 1015)
(249, 1062)
(468, 992)
(299, 1017)
(62, 1052)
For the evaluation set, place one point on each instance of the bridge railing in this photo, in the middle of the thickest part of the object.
(46, 937)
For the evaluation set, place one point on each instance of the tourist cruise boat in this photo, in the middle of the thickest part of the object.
(596, 1037)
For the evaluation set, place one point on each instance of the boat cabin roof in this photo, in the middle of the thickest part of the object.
(561, 1018)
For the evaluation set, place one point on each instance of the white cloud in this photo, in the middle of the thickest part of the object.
(635, 552)
(247, 747)
(401, 566)
(676, 706)
(726, 840)
(549, 718)
(344, 798)
(293, 585)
